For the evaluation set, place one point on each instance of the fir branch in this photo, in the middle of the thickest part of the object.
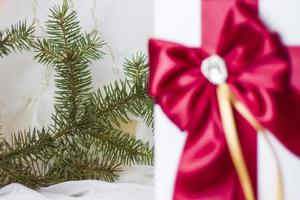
(147, 112)
(137, 73)
(20, 160)
(136, 69)
(87, 165)
(16, 172)
(69, 51)
(63, 28)
(83, 142)
(114, 102)
(120, 147)
(27, 143)
(17, 37)
(47, 53)
(89, 46)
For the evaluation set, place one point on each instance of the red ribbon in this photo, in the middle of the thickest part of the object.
(261, 75)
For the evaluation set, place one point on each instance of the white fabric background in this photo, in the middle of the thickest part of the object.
(26, 87)
(281, 16)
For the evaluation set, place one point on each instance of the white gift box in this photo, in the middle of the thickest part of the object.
(180, 21)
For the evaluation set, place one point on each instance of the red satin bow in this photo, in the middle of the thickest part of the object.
(259, 76)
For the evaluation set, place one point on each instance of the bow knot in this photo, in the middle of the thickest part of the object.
(214, 69)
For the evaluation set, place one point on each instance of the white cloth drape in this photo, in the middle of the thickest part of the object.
(80, 190)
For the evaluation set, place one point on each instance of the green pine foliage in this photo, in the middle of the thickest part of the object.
(115, 101)
(17, 37)
(85, 139)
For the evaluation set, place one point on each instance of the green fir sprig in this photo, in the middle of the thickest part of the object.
(85, 139)
(17, 37)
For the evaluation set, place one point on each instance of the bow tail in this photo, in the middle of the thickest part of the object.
(285, 125)
(206, 170)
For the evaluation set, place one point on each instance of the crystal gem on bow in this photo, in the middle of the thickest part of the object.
(214, 69)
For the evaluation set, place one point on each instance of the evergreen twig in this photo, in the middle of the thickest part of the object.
(17, 37)
(84, 140)
(114, 102)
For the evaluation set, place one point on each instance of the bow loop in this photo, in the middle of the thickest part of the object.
(177, 83)
(252, 53)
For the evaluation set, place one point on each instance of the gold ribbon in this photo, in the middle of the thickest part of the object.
(227, 101)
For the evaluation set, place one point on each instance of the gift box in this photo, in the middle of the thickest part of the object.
(197, 23)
